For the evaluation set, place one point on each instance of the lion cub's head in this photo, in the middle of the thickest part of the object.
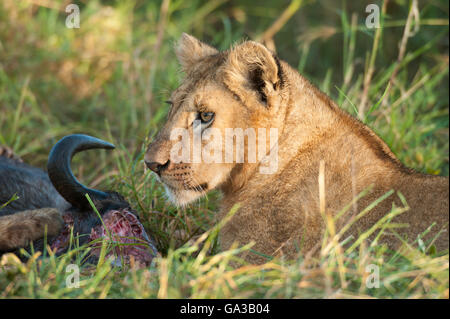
(227, 99)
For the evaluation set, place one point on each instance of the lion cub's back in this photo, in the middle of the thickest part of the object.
(428, 198)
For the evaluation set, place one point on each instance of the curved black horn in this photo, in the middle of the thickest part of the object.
(61, 175)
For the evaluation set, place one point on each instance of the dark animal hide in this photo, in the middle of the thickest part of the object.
(60, 190)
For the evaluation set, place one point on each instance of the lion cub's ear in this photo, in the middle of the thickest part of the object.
(189, 50)
(253, 73)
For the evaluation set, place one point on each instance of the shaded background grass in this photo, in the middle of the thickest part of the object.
(110, 78)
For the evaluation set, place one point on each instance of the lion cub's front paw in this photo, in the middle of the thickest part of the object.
(19, 229)
(45, 217)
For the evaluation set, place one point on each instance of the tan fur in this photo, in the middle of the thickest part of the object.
(280, 212)
(19, 229)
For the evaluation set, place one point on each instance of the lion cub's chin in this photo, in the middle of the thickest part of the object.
(182, 197)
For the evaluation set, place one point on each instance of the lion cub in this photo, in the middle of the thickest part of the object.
(248, 89)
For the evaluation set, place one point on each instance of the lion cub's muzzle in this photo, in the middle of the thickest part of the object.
(179, 178)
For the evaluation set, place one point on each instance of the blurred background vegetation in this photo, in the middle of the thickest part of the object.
(110, 78)
(119, 66)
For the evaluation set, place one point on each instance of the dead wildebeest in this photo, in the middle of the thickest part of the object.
(52, 208)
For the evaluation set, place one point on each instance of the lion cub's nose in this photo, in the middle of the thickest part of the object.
(157, 167)
(157, 157)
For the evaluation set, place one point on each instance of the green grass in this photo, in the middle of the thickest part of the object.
(109, 79)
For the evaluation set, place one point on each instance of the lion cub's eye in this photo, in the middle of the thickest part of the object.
(206, 117)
